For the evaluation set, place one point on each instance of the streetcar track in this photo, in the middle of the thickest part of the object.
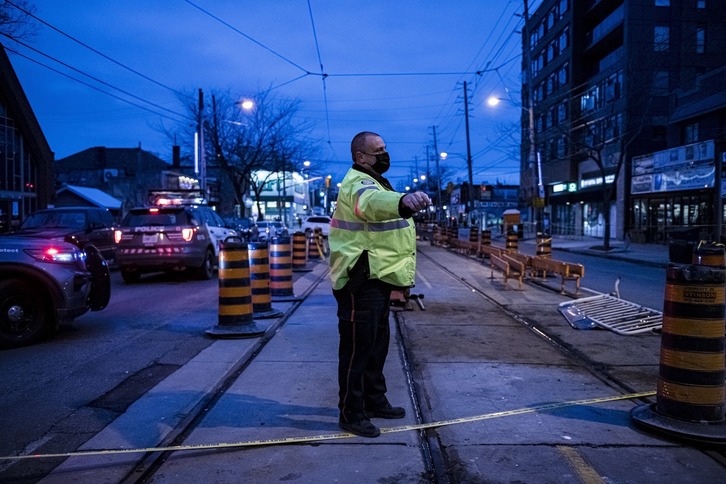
(594, 367)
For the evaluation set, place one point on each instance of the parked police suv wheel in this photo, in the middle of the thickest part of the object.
(23, 314)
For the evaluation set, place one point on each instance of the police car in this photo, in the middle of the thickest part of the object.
(176, 233)
(47, 282)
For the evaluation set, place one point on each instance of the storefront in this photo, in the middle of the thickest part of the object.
(677, 191)
(576, 207)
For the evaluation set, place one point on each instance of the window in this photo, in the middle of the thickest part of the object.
(700, 40)
(562, 75)
(662, 3)
(660, 83)
(661, 38)
(563, 6)
(701, 4)
(562, 112)
(690, 133)
(564, 39)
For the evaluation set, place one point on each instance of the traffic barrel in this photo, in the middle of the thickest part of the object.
(235, 318)
(320, 241)
(709, 254)
(544, 245)
(452, 233)
(313, 252)
(512, 242)
(486, 237)
(299, 256)
(260, 281)
(474, 236)
(281, 270)
(691, 393)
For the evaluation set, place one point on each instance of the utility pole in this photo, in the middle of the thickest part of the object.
(438, 179)
(534, 167)
(470, 203)
(200, 147)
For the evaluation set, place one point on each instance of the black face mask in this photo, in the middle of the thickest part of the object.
(383, 163)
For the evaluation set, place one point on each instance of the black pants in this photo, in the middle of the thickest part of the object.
(364, 335)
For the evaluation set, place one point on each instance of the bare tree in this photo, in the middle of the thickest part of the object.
(241, 143)
(16, 19)
(605, 135)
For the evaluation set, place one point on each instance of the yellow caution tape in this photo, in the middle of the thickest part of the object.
(343, 435)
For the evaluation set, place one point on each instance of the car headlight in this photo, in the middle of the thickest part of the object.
(64, 255)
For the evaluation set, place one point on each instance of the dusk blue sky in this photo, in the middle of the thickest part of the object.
(394, 67)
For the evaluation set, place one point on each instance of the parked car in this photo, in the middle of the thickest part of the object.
(79, 226)
(170, 238)
(44, 283)
(316, 221)
(244, 227)
(267, 230)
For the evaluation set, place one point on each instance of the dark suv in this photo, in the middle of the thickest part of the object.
(170, 238)
(46, 282)
(79, 226)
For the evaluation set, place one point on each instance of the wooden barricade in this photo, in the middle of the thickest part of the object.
(509, 268)
(524, 259)
(566, 271)
(489, 250)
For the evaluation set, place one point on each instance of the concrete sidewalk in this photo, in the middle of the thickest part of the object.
(468, 358)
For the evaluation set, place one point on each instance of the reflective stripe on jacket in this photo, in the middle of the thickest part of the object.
(366, 218)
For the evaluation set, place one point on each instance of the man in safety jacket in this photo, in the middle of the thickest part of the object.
(372, 250)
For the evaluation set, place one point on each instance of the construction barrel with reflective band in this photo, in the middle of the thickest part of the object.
(474, 236)
(512, 242)
(260, 281)
(299, 255)
(544, 245)
(313, 252)
(366, 218)
(691, 382)
(235, 318)
(280, 267)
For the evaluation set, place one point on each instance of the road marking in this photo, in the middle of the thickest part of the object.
(344, 435)
(585, 471)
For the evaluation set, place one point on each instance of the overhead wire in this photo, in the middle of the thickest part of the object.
(94, 78)
(96, 88)
(134, 71)
(322, 73)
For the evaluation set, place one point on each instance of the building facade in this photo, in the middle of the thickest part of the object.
(26, 161)
(610, 81)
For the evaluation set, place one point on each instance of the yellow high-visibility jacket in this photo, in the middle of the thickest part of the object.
(367, 218)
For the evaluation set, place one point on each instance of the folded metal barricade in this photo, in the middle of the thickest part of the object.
(622, 317)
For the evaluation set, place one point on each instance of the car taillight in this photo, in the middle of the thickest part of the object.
(187, 234)
(117, 236)
(53, 254)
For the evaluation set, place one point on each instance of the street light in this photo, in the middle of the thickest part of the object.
(534, 163)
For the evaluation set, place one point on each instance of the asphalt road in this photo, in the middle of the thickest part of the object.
(57, 394)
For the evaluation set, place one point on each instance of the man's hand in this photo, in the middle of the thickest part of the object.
(416, 201)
